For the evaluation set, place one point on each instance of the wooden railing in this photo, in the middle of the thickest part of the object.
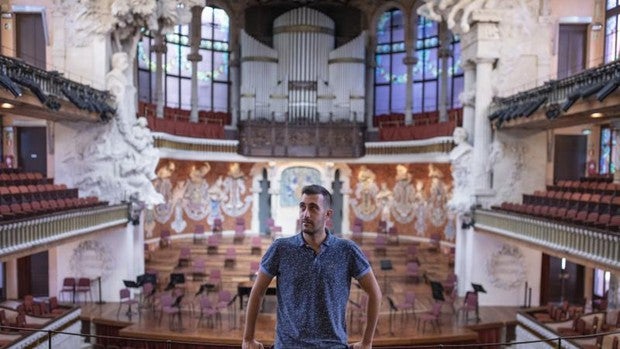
(29, 233)
(591, 244)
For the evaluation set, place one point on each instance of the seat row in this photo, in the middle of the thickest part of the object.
(605, 221)
(580, 201)
(36, 208)
(593, 187)
(29, 193)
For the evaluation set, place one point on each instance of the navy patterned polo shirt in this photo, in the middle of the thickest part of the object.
(313, 289)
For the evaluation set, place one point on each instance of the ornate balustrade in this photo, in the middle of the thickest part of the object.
(334, 139)
(29, 233)
(600, 247)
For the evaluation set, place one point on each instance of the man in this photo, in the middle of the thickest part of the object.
(314, 271)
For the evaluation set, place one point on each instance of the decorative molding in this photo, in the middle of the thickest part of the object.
(506, 268)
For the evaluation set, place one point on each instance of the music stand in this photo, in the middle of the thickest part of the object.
(393, 310)
(437, 289)
(386, 265)
(130, 284)
(478, 289)
(175, 278)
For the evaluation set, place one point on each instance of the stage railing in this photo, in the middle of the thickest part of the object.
(53, 338)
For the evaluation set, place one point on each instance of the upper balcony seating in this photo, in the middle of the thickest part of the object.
(19, 201)
(592, 203)
(176, 121)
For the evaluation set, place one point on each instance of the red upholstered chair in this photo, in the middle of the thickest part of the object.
(126, 299)
(83, 287)
(470, 304)
(169, 306)
(407, 305)
(213, 243)
(231, 257)
(199, 233)
(208, 311)
(413, 271)
(68, 286)
(431, 317)
(256, 245)
(165, 240)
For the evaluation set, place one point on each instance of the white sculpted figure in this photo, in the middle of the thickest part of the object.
(461, 159)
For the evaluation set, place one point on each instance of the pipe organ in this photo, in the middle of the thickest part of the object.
(303, 78)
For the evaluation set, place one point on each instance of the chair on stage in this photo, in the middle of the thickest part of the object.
(256, 245)
(83, 287)
(470, 304)
(357, 312)
(450, 282)
(199, 233)
(217, 225)
(213, 244)
(126, 299)
(199, 269)
(231, 257)
(357, 234)
(451, 298)
(168, 306)
(147, 297)
(381, 245)
(407, 305)
(165, 240)
(185, 255)
(254, 267)
(431, 317)
(239, 229)
(215, 279)
(68, 286)
(208, 311)
(413, 271)
(412, 253)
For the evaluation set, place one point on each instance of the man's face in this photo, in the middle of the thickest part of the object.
(313, 213)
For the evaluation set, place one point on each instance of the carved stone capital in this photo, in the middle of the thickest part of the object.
(159, 48)
(410, 60)
(194, 57)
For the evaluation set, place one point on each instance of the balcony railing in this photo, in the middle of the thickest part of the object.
(557, 96)
(600, 247)
(29, 233)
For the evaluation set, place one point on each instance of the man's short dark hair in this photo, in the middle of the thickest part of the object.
(315, 189)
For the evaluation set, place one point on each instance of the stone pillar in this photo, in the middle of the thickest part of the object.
(482, 126)
(11, 279)
(613, 297)
(159, 48)
(195, 57)
(371, 64)
(468, 97)
(444, 54)
(409, 61)
(235, 89)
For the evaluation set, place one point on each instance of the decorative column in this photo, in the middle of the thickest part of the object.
(482, 141)
(485, 33)
(444, 54)
(159, 48)
(409, 61)
(371, 64)
(235, 90)
(195, 57)
(468, 97)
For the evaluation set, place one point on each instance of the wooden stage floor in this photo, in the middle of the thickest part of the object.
(395, 328)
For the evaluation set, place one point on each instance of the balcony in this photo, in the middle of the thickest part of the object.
(592, 246)
(28, 234)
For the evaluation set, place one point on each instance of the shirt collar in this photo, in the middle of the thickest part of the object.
(328, 239)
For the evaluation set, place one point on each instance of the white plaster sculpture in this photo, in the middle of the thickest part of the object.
(461, 160)
(452, 11)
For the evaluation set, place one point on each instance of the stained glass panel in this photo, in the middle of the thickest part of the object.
(605, 153)
(383, 28)
(382, 100)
